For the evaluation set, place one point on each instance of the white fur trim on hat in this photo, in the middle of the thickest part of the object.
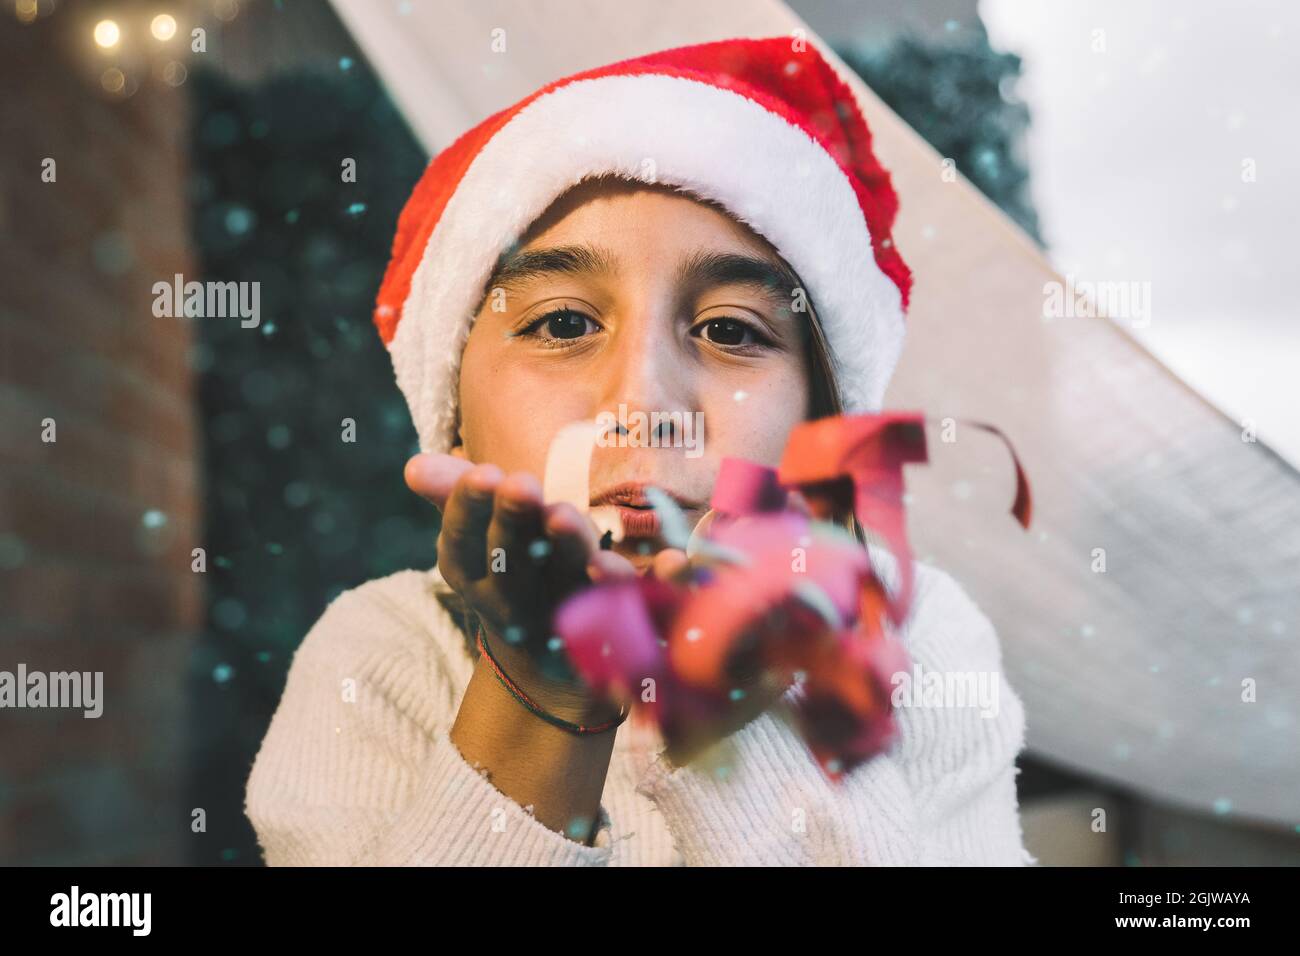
(771, 175)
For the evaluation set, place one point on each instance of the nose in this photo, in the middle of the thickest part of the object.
(648, 371)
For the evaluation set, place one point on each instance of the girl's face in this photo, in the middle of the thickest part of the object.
(631, 295)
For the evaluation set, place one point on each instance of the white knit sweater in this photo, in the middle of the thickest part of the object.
(357, 767)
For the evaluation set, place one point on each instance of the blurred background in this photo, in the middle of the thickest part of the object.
(197, 510)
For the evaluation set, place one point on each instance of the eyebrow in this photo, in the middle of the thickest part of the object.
(702, 268)
(517, 267)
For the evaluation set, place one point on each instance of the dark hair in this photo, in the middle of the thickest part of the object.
(823, 384)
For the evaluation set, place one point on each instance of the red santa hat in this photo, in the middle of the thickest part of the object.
(764, 127)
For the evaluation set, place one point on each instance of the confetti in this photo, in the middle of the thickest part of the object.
(776, 593)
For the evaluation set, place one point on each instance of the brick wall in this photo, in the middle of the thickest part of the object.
(86, 583)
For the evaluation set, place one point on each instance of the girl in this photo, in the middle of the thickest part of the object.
(703, 231)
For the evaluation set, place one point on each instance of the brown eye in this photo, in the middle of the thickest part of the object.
(566, 324)
(728, 332)
(560, 325)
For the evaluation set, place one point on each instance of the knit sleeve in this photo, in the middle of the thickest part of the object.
(944, 794)
(960, 758)
(357, 767)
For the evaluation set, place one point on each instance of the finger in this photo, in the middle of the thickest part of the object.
(574, 541)
(668, 563)
(462, 545)
(434, 477)
(704, 523)
(610, 566)
(515, 528)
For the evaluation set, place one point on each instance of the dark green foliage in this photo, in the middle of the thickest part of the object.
(959, 95)
(294, 514)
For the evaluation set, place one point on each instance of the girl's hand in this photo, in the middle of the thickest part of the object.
(488, 554)
(512, 559)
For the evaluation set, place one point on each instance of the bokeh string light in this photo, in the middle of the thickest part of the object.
(163, 27)
(107, 34)
(125, 50)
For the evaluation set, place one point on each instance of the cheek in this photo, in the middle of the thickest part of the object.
(757, 425)
(508, 413)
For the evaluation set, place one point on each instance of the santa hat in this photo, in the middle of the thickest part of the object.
(766, 128)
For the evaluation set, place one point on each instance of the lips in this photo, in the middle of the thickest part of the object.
(639, 518)
(640, 523)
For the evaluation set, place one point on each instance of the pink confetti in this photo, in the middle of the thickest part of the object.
(777, 594)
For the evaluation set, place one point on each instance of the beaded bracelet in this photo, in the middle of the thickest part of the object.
(524, 699)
